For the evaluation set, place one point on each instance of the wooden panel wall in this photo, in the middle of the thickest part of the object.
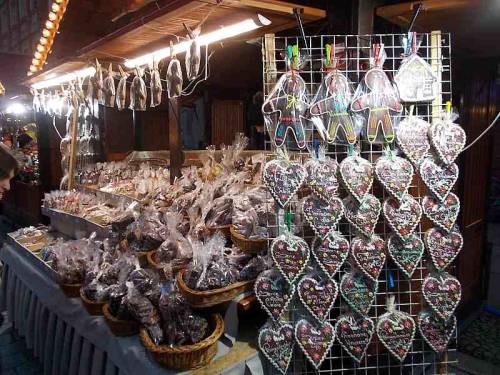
(228, 119)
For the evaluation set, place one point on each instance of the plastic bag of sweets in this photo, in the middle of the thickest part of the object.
(145, 313)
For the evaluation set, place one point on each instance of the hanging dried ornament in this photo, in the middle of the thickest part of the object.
(402, 217)
(363, 216)
(108, 88)
(285, 108)
(358, 291)
(318, 295)
(174, 75)
(138, 91)
(283, 178)
(415, 78)
(369, 255)
(440, 179)
(411, 137)
(322, 217)
(155, 84)
(330, 105)
(396, 330)
(290, 255)
(276, 342)
(407, 254)
(442, 292)
(442, 246)
(331, 252)
(394, 173)
(193, 54)
(97, 83)
(377, 100)
(322, 176)
(121, 90)
(447, 138)
(314, 340)
(443, 214)
(273, 293)
(436, 333)
(354, 333)
(357, 175)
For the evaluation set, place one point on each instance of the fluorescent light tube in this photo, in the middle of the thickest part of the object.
(64, 78)
(205, 39)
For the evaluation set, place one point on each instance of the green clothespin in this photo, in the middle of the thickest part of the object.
(350, 150)
(288, 220)
(295, 53)
(328, 49)
(290, 54)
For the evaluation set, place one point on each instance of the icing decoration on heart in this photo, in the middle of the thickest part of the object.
(321, 216)
(442, 246)
(331, 106)
(315, 341)
(378, 99)
(402, 216)
(317, 296)
(436, 333)
(406, 254)
(442, 292)
(283, 178)
(277, 342)
(354, 333)
(273, 293)
(331, 252)
(440, 179)
(369, 255)
(396, 330)
(448, 139)
(322, 177)
(363, 216)
(395, 174)
(357, 175)
(443, 214)
(288, 102)
(290, 255)
(412, 138)
(358, 291)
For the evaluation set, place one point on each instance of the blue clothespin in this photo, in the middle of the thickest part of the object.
(316, 148)
(391, 279)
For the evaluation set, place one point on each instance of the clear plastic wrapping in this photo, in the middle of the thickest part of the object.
(174, 78)
(155, 85)
(108, 88)
(138, 92)
(121, 91)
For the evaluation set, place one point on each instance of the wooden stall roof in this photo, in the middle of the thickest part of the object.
(156, 30)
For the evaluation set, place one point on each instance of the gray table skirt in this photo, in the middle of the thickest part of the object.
(65, 337)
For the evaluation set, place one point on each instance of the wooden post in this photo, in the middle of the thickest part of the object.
(174, 139)
(137, 123)
(73, 150)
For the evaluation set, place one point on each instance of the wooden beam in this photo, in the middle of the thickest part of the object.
(174, 139)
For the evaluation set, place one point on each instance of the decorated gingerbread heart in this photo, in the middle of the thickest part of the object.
(412, 138)
(442, 246)
(314, 340)
(442, 292)
(395, 174)
(443, 214)
(317, 296)
(357, 175)
(273, 293)
(331, 252)
(322, 177)
(276, 342)
(369, 255)
(322, 216)
(358, 291)
(396, 330)
(436, 333)
(363, 216)
(283, 178)
(354, 333)
(402, 216)
(440, 179)
(406, 254)
(290, 255)
(448, 139)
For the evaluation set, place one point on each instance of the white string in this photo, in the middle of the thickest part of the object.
(483, 133)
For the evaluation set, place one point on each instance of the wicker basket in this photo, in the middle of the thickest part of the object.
(151, 257)
(71, 290)
(209, 298)
(187, 357)
(224, 229)
(94, 308)
(248, 245)
(117, 326)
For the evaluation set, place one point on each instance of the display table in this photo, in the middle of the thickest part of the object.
(68, 340)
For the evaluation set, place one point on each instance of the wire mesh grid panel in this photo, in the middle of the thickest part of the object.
(355, 61)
